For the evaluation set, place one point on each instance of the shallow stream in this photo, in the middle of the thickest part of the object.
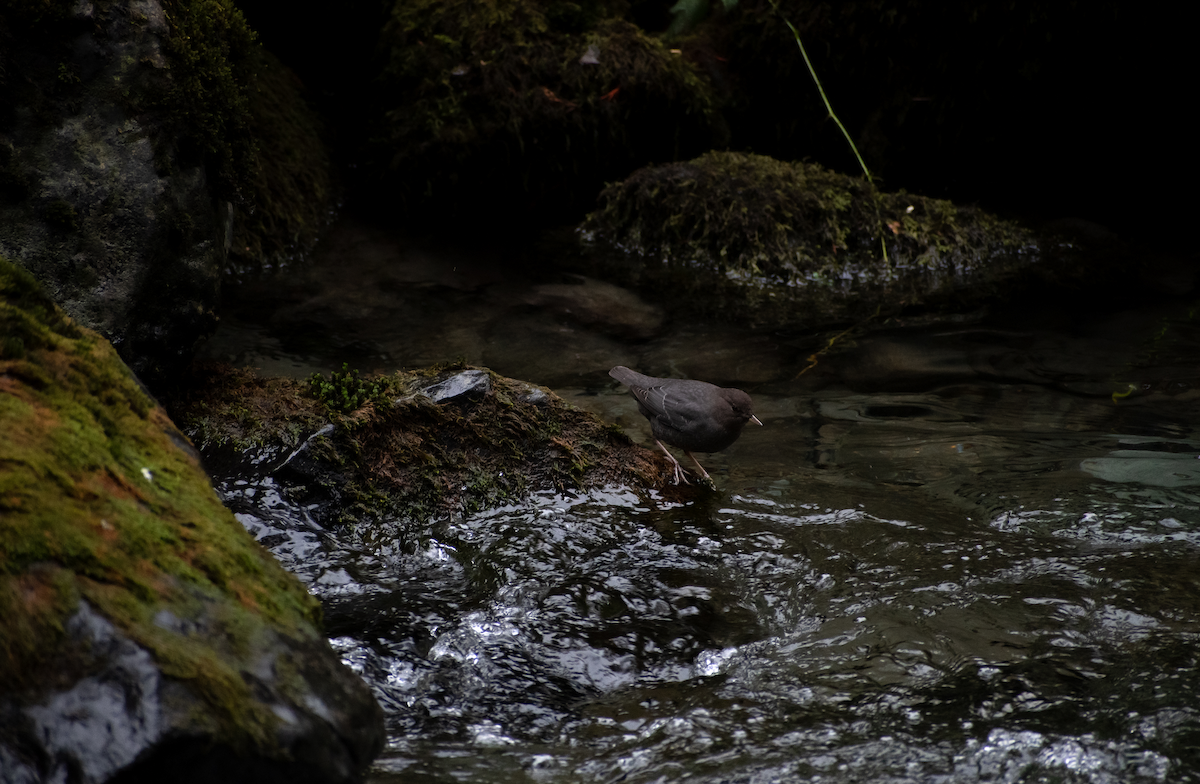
(952, 554)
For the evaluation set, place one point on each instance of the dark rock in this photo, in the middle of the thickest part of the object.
(128, 246)
(532, 395)
(291, 195)
(467, 385)
(105, 720)
(611, 309)
(521, 114)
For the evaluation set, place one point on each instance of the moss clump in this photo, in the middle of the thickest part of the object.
(291, 187)
(345, 391)
(212, 57)
(101, 500)
(61, 214)
(537, 101)
(404, 456)
(799, 234)
(223, 408)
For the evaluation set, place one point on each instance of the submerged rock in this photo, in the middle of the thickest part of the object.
(774, 242)
(145, 634)
(611, 309)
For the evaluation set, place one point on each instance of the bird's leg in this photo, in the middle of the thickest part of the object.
(678, 468)
(703, 473)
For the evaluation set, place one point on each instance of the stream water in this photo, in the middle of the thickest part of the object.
(951, 554)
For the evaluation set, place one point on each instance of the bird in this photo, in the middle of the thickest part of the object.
(693, 415)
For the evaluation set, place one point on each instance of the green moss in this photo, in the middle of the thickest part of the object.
(221, 407)
(345, 391)
(491, 100)
(28, 314)
(798, 233)
(292, 185)
(35, 605)
(98, 502)
(211, 51)
(741, 213)
(405, 457)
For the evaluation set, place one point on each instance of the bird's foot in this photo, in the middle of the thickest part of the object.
(679, 474)
(703, 473)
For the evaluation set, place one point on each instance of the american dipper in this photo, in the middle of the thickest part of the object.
(692, 415)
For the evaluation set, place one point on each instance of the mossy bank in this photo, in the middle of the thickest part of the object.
(520, 109)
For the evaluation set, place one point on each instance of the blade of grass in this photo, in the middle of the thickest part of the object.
(833, 116)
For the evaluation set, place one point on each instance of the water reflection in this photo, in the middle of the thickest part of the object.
(950, 556)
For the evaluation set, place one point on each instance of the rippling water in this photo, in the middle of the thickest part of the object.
(950, 556)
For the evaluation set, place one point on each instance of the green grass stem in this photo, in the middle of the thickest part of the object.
(833, 116)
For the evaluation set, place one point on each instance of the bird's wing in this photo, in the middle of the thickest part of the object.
(674, 409)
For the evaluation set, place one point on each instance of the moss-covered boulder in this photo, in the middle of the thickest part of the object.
(767, 241)
(409, 446)
(932, 109)
(144, 632)
(290, 194)
(130, 136)
(523, 108)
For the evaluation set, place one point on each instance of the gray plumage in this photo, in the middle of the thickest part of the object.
(693, 415)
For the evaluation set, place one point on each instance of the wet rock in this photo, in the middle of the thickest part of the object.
(402, 456)
(105, 720)
(611, 309)
(464, 386)
(146, 636)
(532, 395)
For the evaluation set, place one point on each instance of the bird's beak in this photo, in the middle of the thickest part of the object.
(754, 419)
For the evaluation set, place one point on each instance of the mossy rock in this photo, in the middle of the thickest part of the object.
(119, 566)
(404, 453)
(524, 107)
(291, 190)
(768, 241)
(932, 110)
(131, 134)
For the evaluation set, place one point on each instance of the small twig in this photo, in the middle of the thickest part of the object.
(813, 357)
